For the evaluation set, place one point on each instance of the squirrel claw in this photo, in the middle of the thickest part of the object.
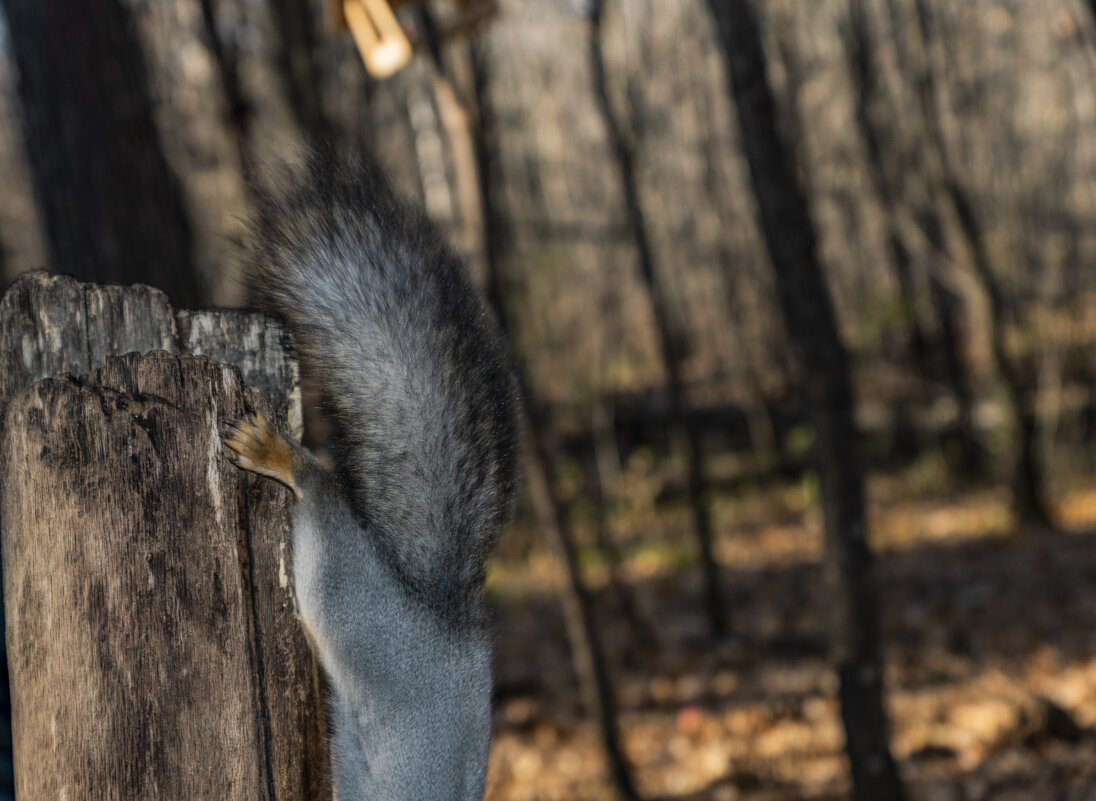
(253, 444)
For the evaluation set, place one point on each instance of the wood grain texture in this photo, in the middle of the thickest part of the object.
(53, 325)
(256, 345)
(153, 645)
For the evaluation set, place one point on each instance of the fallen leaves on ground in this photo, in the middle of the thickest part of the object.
(990, 651)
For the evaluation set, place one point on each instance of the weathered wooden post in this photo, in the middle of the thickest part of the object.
(152, 643)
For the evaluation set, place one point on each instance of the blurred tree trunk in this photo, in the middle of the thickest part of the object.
(766, 436)
(809, 316)
(237, 107)
(948, 304)
(587, 653)
(608, 499)
(1028, 490)
(624, 155)
(300, 64)
(112, 208)
(321, 75)
(862, 71)
(949, 310)
(588, 656)
(946, 361)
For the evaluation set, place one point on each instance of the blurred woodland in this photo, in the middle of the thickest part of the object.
(808, 347)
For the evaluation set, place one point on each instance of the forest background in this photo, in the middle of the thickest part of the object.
(685, 590)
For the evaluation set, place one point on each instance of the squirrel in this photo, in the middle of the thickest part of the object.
(388, 549)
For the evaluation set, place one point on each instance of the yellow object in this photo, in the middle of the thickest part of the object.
(380, 39)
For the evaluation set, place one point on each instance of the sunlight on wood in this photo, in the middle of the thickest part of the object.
(380, 39)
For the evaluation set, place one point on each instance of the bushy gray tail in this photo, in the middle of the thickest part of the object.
(419, 380)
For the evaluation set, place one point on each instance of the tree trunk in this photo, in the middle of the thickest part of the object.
(1028, 491)
(587, 654)
(608, 499)
(586, 651)
(862, 71)
(949, 347)
(148, 609)
(111, 206)
(300, 64)
(688, 435)
(237, 110)
(948, 306)
(809, 316)
(948, 361)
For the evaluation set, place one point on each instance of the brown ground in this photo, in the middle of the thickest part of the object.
(990, 657)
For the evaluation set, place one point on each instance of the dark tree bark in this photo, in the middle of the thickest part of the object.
(587, 654)
(1028, 480)
(237, 109)
(111, 206)
(300, 65)
(607, 497)
(949, 310)
(625, 159)
(321, 75)
(809, 316)
(863, 74)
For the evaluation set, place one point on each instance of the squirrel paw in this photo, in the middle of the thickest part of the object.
(255, 445)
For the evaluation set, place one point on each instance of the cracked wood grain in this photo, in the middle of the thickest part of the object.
(153, 645)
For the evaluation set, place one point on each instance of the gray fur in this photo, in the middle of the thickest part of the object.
(388, 557)
(417, 376)
(410, 695)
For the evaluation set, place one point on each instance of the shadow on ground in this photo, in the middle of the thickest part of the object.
(988, 642)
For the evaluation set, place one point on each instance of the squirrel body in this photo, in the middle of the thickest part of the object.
(388, 550)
